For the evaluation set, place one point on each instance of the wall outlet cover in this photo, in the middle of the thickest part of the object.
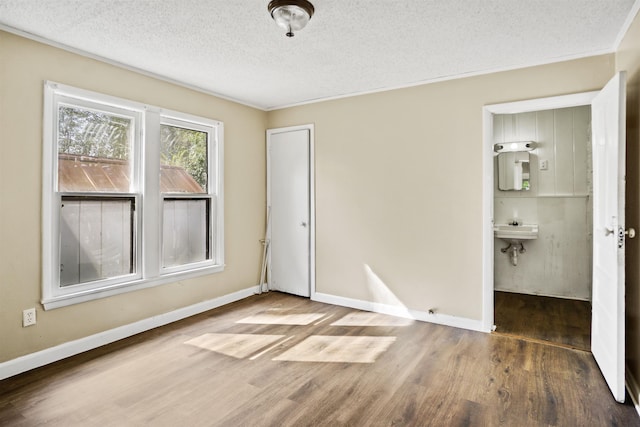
(28, 317)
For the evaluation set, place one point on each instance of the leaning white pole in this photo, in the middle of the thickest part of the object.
(262, 268)
(265, 254)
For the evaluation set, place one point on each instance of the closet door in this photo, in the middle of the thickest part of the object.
(289, 205)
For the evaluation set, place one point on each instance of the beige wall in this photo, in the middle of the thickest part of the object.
(24, 65)
(628, 58)
(399, 183)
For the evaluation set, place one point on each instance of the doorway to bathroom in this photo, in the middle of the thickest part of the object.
(608, 231)
(543, 284)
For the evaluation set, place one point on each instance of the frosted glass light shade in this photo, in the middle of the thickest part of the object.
(292, 15)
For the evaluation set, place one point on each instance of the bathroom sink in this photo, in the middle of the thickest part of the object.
(515, 234)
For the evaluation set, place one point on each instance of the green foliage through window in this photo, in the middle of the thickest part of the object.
(93, 133)
(185, 148)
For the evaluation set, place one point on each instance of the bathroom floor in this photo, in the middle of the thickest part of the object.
(560, 321)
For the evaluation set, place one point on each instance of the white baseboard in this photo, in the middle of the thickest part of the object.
(62, 351)
(393, 310)
(633, 389)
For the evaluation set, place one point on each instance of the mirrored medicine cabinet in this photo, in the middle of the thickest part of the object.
(514, 165)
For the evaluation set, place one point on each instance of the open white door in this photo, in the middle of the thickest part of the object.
(288, 194)
(608, 138)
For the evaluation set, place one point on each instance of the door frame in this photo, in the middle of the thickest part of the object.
(312, 194)
(488, 111)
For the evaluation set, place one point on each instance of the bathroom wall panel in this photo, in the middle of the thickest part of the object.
(523, 208)
(567, 246)
(509, 128)
(563, 143)
(546, 184)
(526, 130)
(498, 128)
(581, 144)
(558, 263)
(525, 126)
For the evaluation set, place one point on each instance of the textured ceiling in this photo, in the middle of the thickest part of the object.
(232, 47)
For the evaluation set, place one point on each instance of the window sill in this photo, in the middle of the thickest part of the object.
(121, 288)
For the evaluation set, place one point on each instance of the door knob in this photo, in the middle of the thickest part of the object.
(304, 224)
(608, 231)
(622, 233)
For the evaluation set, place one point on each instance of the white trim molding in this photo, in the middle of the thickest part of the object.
(488, 111)
(399, 311)
(68, 349)
(627, 24)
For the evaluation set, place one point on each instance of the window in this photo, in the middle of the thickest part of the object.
(186, 205)
(132, 196)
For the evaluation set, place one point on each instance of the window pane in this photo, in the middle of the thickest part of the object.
(183, 160)
(185, 236)
(95, 239)
(93, 150)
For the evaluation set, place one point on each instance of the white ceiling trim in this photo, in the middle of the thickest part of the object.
(448, 78)
(627, 23)
(90, 55)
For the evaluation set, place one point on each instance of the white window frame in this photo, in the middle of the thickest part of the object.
(174, 118)
(145, 189)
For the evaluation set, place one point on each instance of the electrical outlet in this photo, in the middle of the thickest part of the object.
(544, 165)
(28, 317)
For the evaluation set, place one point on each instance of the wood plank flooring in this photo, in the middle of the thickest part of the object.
(556, 320)
(220, 369)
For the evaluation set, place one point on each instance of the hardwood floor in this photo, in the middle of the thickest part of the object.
(240, 365)
(560, 321)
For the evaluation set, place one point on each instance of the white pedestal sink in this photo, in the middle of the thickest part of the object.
(515, 234)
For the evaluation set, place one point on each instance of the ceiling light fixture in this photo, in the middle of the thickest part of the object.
(292, 15)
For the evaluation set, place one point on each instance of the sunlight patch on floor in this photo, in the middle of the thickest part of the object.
(359, 318)
(282, 318)
(347, 349)
(234, 345)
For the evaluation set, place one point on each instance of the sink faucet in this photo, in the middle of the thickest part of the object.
(515, 222)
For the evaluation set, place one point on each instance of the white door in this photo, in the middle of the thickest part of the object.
(608, 139)
(288, 195)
